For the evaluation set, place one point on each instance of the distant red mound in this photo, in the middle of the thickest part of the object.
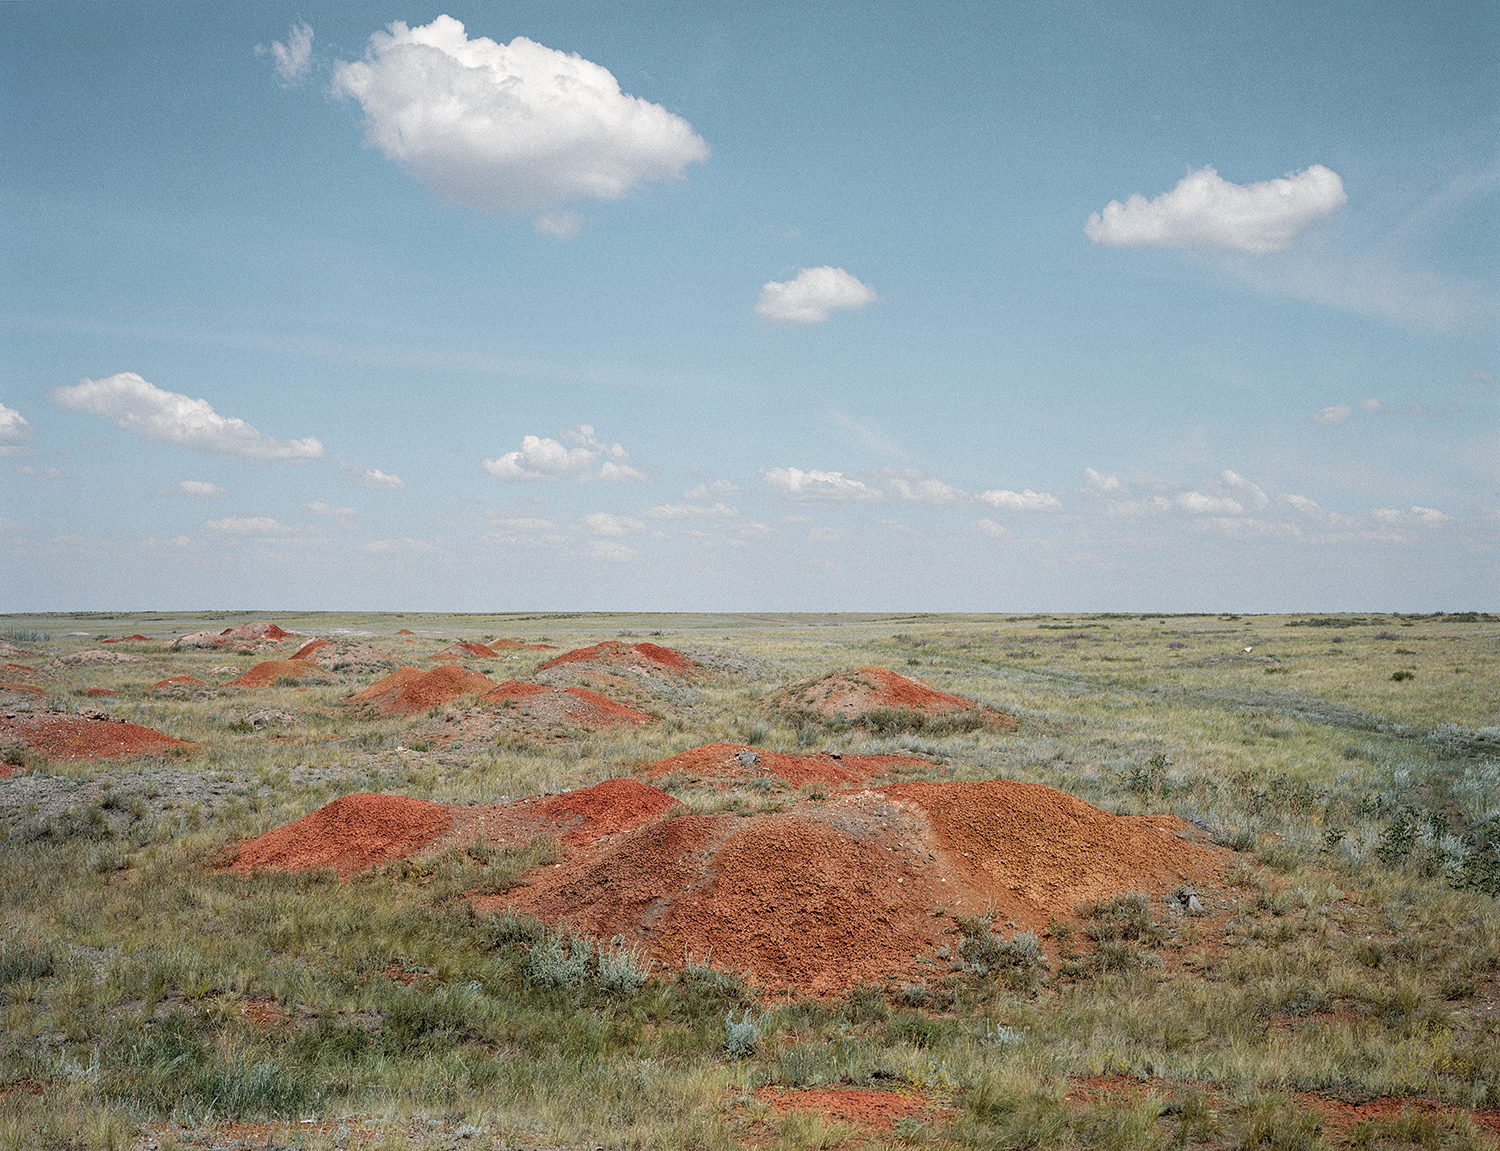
(267, 674)
(177, 681)
(349, 835)
(127, 639)
(21, 670)
(859, 694)
(735, 763)
(307, 649)
(255, 631)
(98, 691)
(406, 631)
(465, 651)
(24, 688)
(59, 735)
(573, 706)
(408, 690)
(612, 651)
(243, 638)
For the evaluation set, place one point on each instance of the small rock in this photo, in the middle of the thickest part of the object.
(1194, 907)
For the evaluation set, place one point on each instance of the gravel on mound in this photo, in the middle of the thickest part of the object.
(137, 638)
(649, 656)
(177, 681)
(573, 706)
(605, 809)
(465, 651)
(826, 895)
(734, 763)
(850, 695)
(21, 670)
(345, 655)
(267, 674)
(98, 655)
(61, 735)
(348, 835)
(409, 690)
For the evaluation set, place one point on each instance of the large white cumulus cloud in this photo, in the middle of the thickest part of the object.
(812, 296)
(510, 128)
(1207, 212)
(162, 417)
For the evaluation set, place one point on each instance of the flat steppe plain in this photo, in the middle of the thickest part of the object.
(1331, 979)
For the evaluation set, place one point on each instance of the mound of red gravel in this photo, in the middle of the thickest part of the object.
(647, 656)
(348, 835)
(571, 706)
(60, 735)
(408, 690)
(177, 681)
(465, 651)
(866, 691)
(267, 674)
(137, 638)
(727, 764)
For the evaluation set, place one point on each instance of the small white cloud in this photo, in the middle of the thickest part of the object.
(249, 526)
(1304, 505)
(605, 524)
(510, 128)
(13, 427)
(404, 544)
(319, 508)
(1252, 492)
(294, 58)
(614, 552)
(812, 296)
(1207, 212)
(796, 484)
(1371, 405)
(543, 458)
(162, 417)
(717, 511)
(989, 527)
(39, 473)
(1201, 504)
(371, 479)
(522, 523)
(824, 534)
(717, 489)
(926, 490)
(1100, 482)
(1336, 414)
(1431, 516)
(1027, 501)
(559, 225)
(200, 490)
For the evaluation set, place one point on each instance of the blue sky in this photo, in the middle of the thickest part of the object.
(750, 307)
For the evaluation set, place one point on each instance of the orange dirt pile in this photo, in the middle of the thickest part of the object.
(307, 649)
(607, 808)
(24, 688)
(643, 655)
(20, 669)
(728, 764)
(254, 631)
(266, 674)
(406, 631)
(464, 651)
(408, 690)
(348, 835)
(825, 895)
(873, 1111)
(58, 735)
(137, 638)
(177, 681)
(852, 694)
(573, 706)
(99, 691)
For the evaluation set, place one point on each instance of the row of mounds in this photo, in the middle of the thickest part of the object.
(246, 637)
(880, 699)
(816, 895)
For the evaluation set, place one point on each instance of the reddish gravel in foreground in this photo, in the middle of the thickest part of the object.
(58, 735)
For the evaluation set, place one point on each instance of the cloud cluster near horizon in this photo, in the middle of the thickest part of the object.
(162, 417)
(510, 129)
(1207, 212)
(543, 458)
(812, 296)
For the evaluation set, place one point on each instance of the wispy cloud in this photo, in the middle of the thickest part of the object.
(293, 58)
(812, 296)
(1207, 212)
(195, 490)
(404, 544)
(371, 479)
(1334, 414)
(162, 417)
(319, 508)
(612, 551)
(543, 458)
(795, 484)
(914, 487)
(716, 511)
(514, 128)
(251, 526)
(1025, 501)
(607, 524)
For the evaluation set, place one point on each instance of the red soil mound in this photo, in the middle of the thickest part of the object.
(137, 638)
(406, 631)
(731, 763)
(826, 895)
(307, 649)
(607, 808)
(464, 651)
(348, 835)
(20, 669)
(407, 690)
(852, 694)
(647, 655)
(266, 674)
(573, 706)
(99, 691)
(58, 735)
(177, 681)
(255, 631)
(25, 688)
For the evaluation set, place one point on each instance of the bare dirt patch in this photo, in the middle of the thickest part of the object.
(875, 695)
(870, 1111)
(60, 735)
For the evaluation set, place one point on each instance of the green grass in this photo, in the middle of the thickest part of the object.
(1360, 964)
